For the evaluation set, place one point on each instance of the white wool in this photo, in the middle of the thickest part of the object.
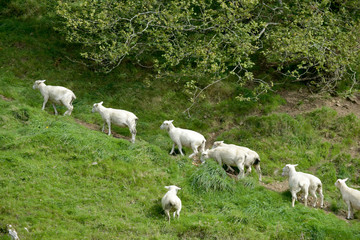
(184, 137)
(350, 196)
(57, 95)
(228, 155)
(299, 181)
(118, 117)
(252, 158)
(171, 202)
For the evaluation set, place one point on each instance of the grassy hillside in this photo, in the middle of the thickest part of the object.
(61, 180)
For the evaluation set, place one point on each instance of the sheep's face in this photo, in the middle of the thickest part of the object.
(204, 155)
(96, 107)
(38, 83)
(172, 188)
(217, 144)
(166, 124)
(340, 182)
(287, 169)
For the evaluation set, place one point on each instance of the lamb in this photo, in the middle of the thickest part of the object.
(302, 181)
(252, 157)
(171, 202)
(350, 196)
(119, 117)
(57, 95)
(184, 137)
(227, 155)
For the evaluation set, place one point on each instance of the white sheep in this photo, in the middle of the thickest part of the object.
(303, 181)
(350, 196)
(184, 137)
(252, 158)
(119, 117)
(171, 202)
(227, 155)
(56, 95)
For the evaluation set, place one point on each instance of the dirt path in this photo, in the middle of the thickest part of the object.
(98, 128)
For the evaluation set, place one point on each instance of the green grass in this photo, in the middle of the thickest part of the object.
(61, 180)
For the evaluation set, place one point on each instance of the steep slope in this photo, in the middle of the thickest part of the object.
(61, 180)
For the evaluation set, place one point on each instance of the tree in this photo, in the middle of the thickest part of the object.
(202, 42)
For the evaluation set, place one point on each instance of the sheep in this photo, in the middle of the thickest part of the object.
(57, 95)
(184, 137)
(252, 157)
(227, 155)
(171, 202)
(350, 196)
(119, 117)
(302, 181)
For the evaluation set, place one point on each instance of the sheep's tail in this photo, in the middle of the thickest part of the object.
(257, 161)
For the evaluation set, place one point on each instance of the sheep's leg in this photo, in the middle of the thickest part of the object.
(56, 113)
(69, 107)
(294, 197)
(258, 170)
(349, 216)
(202, 147)
(248, 171)
(230, 168)
(180, 149)
(168, 215)
(178, 213)
(321, 196)
(306, 194)
(44, 103)
(103, 127)
(195, 151)
(313, 193)
(133, 134)
(241, 170)
(109, 127)
(172, 149)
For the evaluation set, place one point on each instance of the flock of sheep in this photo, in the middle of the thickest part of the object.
(229, 154)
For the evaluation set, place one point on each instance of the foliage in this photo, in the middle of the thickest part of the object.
(203, 42)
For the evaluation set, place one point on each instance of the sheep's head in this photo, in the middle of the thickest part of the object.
(340, 182)
(204, 155)
(166, 124)
(172, 188)
(38, 83)
(287, 169)
(96, 107)
(217, 144)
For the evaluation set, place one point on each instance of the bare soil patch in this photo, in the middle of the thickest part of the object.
(98, 128)
(5, 98)
(302, 101)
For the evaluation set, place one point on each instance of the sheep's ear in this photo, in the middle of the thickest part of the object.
(101, 102)
(346, 179)
(171, 121)
(295, 165)
(178, 188)
(42, 81)
(167, 187)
